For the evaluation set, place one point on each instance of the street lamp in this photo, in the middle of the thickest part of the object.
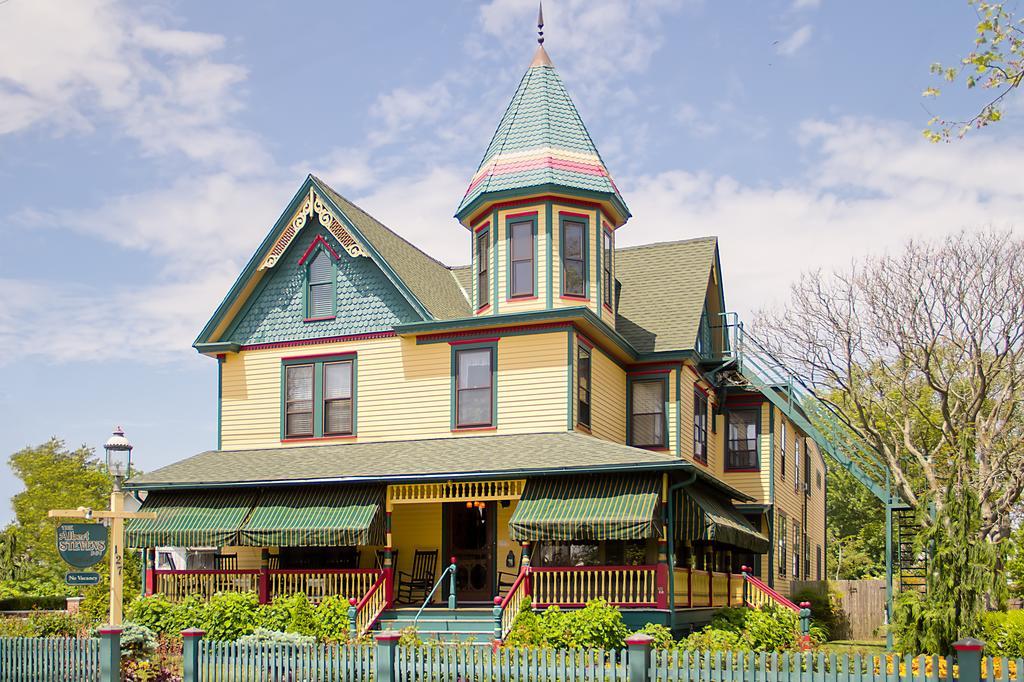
(119, 457)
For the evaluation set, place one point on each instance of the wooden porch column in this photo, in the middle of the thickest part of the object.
(524, 567)
(662, 574)
(264, 584)
(150, 571)
(389, 567)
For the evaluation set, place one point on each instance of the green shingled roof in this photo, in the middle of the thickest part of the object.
(662, 293)
(430, 281)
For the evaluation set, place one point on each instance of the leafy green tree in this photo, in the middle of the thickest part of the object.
(996, 63)
(856, 528)
(54, 478)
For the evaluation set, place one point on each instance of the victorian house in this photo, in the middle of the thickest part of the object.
(561, 419)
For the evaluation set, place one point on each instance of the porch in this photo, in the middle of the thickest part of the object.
(556, 540)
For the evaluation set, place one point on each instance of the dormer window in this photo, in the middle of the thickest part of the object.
(320, 287)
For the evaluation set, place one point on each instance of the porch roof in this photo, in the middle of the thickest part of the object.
(470, 457)
(703, 514)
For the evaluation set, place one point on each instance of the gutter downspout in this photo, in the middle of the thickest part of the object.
(671, 545)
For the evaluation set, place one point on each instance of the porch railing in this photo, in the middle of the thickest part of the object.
(576, 585)
(694, 588)
(350, 583)
(266, 583)
(373, 603)
(178, 584)
(512, 603)
(757, 594)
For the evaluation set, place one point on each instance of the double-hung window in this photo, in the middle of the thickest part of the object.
(574, 258)
(338, 398)
(807, 467)
(796, 550)
(319, 397)
(320, 295)
(483, 250)
(583, 385)
(782, 545)
(606, 266)
(796, 467)
(741, 442)
(700, 426)
(298, 406)
(521, 249)
(474, 387)
(647, 414)
(782, 447)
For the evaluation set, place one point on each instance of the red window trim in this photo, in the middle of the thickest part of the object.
(571, 214)
(492, 339)
(481, 226)
(319, 240)
(306, 439)
(321, 319)
(573, 297)
(522, 297)
(340, 355)
(584, 340)
(524, 214)
(555, 199)
(484, 307)
(473, 428)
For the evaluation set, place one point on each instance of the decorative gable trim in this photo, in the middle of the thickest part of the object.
(312, 206)
(312, 248)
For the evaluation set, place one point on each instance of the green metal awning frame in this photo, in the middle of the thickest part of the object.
(703, 514)
(588, 508)
(290, 516)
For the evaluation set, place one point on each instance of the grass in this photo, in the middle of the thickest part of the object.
(853, 646)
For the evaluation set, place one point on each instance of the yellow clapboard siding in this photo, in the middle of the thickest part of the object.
(403, 389)
(608, 398)
(416, 526)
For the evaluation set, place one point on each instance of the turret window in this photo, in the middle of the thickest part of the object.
(606, 265)
(320, 294)
(521, 250)
(574, 258)
(483, 251)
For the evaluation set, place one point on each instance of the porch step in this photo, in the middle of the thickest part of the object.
(460, 625)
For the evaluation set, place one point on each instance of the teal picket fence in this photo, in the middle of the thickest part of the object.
(447, 663)
(237, 662)
(49, 659)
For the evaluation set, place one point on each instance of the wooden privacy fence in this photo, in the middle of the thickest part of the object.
(862, 604)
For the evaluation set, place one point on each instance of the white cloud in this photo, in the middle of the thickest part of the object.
(806, 4)
(795, 41)
(695, 121)
(869, 186)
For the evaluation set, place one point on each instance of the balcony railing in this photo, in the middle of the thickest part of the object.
(266, 583)
(694, 588)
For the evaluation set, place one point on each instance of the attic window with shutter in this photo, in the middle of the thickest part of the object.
(321, 299)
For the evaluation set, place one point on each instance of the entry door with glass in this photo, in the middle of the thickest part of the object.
(471, 538)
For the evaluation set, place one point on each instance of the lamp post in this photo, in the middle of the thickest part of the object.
(119, 465)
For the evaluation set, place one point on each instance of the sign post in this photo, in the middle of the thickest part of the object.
(80, 548)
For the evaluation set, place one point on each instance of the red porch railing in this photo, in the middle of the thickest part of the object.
(757, 594)
(373, 603)
(629, 586)
(266, 583)
(512, 603)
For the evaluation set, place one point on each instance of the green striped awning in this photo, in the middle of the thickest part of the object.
(195, 518)
(587, 508)
(702, 514)
(317, 516)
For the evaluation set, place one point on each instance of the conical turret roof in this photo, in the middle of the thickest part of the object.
(541, 141)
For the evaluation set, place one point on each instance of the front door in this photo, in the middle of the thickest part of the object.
(471, 538)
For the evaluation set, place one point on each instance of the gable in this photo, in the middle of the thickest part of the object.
(662, 293)
(366, 300)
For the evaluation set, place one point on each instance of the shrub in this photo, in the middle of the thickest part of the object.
(330, 620)
(826, 610)
(55, 625)
(596, 625)
(293, 613)
(16, 627)
(155, 613)
(137, 641)
(263, 635)
(712, 639)
(661, 636)
(26, 602)
(230, 615)
(1003, 633)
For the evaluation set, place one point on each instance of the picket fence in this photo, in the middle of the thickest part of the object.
(85, 660)
(50, 659)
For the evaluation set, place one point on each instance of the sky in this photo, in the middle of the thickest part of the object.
(146, 148)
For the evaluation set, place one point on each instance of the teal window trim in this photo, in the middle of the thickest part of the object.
(583, 220)
(630, 383)
(700, 426)
(482, 238)
(518, 219)
(549, 285)
(306, 299)
(454, 399)
(221, 359)
(351, 361)
(317, 362)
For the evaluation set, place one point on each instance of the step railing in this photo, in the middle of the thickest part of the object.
(511, 604)
(364, 613)
(756, 594)
(449, 572)
(577, 585)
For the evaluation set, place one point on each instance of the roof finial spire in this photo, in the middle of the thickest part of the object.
(540, 57)
(540, 23)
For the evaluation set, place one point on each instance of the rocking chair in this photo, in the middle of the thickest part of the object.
(421, 580)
